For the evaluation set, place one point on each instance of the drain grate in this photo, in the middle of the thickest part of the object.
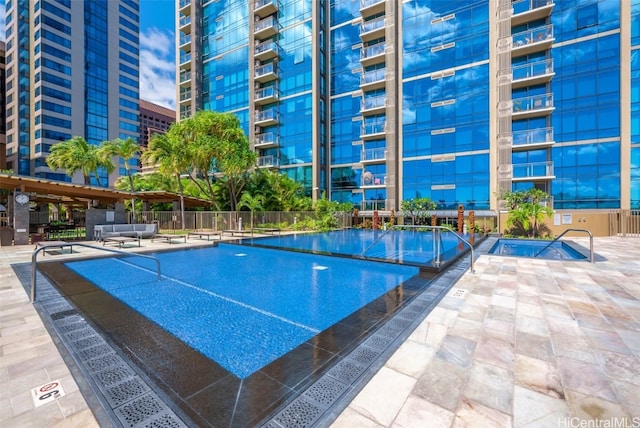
(145, 411)
(325, 391)
(125, 391)
(133, 403)
(300, 413)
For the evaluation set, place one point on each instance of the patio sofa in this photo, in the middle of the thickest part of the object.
(101, 231)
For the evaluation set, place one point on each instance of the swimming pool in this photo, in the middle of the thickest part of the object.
(352, 311)
(533, 248)
(244, 307)
(414, 247)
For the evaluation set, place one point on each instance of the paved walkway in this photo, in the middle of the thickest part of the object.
(520, 343)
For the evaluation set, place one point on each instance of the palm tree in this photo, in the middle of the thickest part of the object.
(168, 152)
(76, 154)
(125, 149)
(254, 203)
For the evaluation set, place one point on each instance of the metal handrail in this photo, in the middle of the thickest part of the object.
(572, 230)
(437, 228)
(34, 262)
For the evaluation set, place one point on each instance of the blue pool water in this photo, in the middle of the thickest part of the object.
(244, 307)
(405, 246)
(536, 249)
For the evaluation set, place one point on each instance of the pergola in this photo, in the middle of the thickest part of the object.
(78, 195)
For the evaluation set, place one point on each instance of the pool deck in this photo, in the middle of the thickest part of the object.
(519, 343)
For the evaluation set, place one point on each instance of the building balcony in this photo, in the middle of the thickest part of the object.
(185, 61)
(373, 105)
(372, 205)
(266, 50)
(265, 28)
(185, 111)
(186, 95)
(266, 73)
(372, 130)
(378, 155)
(266, 141)
(533, 40)
(185, 78)
(532, 171)
(373, 180)
(266, 117)
(530, 10)
(532, 74)
(184, 24)
(371, 7)
(533, 106)
(372, 29)
(269, 161)
(532, 139)
(184, 7)
(263, 8)
(372, 54)
(373, 79)
(185, 43)
(266, 95)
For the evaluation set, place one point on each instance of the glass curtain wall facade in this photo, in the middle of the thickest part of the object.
(379, 101)
(264, 61)
(74, 72)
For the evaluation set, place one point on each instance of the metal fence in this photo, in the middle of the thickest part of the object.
(228, 220)
(624, 223)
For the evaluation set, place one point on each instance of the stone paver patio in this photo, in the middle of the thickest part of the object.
(519, 343)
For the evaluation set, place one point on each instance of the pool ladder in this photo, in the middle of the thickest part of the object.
(34, 262)
(436, 241)
(571, 230)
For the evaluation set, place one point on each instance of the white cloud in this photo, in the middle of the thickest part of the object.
(158, 67)
(3, 24)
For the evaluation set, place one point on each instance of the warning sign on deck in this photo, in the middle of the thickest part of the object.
(48, 392)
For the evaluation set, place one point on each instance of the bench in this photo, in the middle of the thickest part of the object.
(266, 230)
(120, 240)
(54, 244)
(101, 231)
(208, 234)
(169, 238)
(232, 232)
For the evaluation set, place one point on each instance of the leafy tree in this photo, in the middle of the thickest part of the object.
(526, 210)
(253, 203)
(76, 154)
(418, 209)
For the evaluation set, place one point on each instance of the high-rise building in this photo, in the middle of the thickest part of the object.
(379, 101)
(154, 119)
(3, 112)
(72, 70)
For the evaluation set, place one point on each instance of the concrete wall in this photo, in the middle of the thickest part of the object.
(597, 222)
(96, 216)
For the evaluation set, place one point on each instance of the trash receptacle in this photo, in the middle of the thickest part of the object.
(6, 236)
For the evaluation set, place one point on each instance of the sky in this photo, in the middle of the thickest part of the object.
(157, 50)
